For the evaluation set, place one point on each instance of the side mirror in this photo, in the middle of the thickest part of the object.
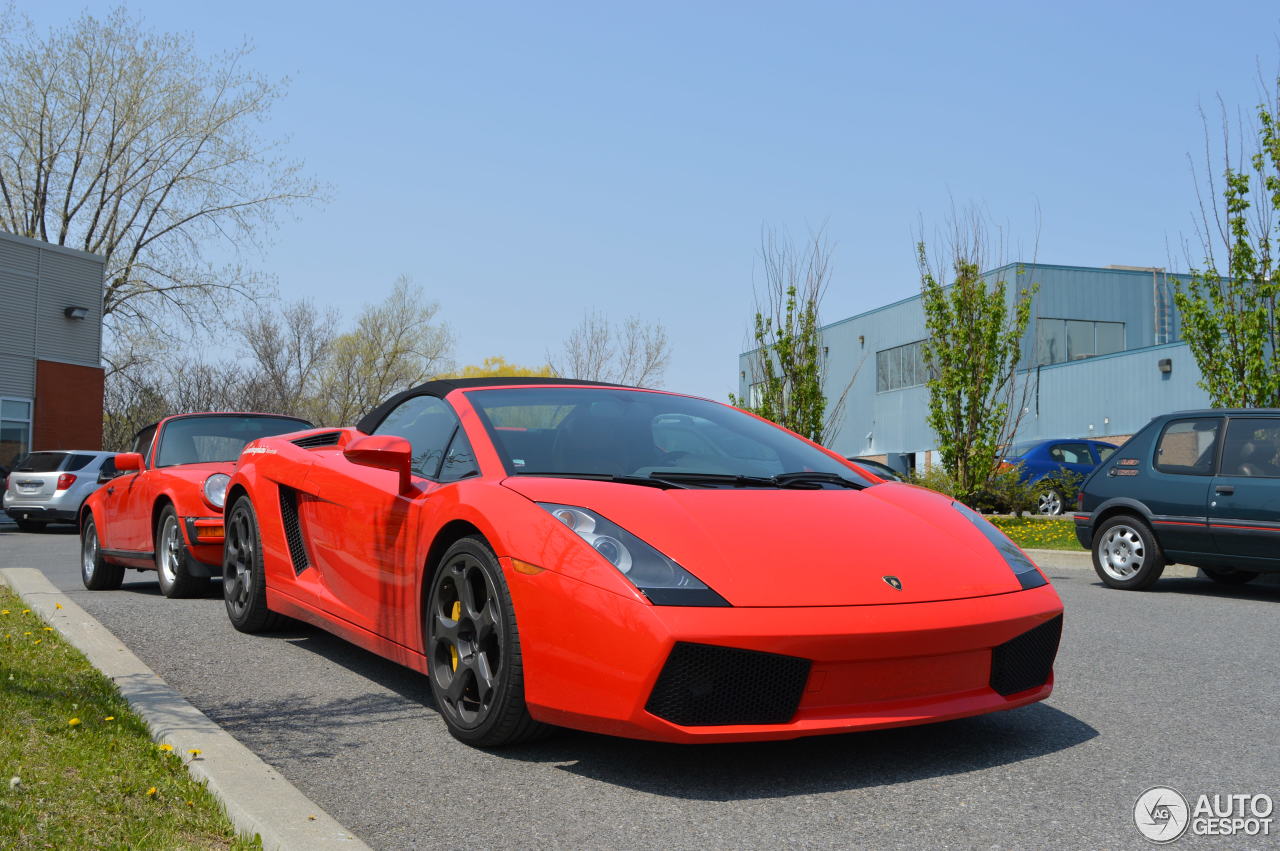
(128, 462)
(383, 451)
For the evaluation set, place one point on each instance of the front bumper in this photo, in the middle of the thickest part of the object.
(596, 663)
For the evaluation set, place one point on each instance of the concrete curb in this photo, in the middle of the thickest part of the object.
(1083, 560)
(257, 798)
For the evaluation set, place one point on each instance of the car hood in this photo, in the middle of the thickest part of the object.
(778, 547)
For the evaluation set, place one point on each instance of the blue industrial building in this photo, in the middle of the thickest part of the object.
(1100, 357)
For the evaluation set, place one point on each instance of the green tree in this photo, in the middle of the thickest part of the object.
(975, 341)
(1228, 314)
(786, 368)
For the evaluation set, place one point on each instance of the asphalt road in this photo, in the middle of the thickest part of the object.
(1176, 687)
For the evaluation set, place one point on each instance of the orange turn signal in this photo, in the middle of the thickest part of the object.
(526, 568)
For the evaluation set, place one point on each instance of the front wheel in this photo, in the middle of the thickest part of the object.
(244, 583)
(1126, 554)
(172, 559)
(1229, 575)
(95, 572)
(473, 650)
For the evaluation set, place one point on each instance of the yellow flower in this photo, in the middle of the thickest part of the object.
(37, 641)
(26, 611)
(48, 629)
(74, 722)
(109, 718)
(57, 605)
(4, 611)
(151, 793)
(166, 747)
(27, 633)
(195, 753)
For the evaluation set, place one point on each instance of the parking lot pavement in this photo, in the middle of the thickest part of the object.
(1175, 687)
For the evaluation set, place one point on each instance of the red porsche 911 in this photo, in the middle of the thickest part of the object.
(161, 506)
(633, 562)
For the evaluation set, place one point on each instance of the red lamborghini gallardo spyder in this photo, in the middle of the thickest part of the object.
(633, 562)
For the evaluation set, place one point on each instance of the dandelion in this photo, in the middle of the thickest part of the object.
(26, 611)
(37, 641)
(4, 611)
(195, 753)
(191, 803)
(109, 718)
(311, 818)
(57, 605)
(48, 629)
(74, 722)
(151, 793)
(167, 748)
(28, 632)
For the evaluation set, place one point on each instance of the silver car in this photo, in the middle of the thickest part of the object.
(50, 487)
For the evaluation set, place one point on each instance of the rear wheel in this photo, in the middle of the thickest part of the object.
(244, 584)
(1126, 554)
(1229, 575)
(32, 525)
(95, 572)
(172, 558)
(473, 650)
(1050, 502)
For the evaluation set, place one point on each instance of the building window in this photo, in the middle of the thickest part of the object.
(15, 430)
(1059, 340)
(901, 366)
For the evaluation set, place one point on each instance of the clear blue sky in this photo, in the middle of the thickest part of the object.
(524, 162)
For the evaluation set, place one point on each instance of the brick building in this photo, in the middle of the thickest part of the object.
(51, 375)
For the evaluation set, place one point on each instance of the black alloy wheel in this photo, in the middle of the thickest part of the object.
(244, 584)
(473, 650)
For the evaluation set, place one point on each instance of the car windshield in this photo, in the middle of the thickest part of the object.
(603, 432)
(195, 440)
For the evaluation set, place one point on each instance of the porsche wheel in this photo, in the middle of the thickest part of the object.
(244, 586)
(171, 557)
(95, 572)
(473, 650)
(1229, 575)
(1126, 555)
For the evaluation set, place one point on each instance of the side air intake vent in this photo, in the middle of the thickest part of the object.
(1025, 662)
(293, 529)
(312, 441)
(704, 685)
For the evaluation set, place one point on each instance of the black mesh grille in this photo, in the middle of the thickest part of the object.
(1025, 661)
(293, 528)
(311, 441)
(703, 685)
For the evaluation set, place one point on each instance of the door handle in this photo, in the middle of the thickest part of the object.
(1225, 489)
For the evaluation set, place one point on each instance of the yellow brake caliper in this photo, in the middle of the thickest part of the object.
(455, 614)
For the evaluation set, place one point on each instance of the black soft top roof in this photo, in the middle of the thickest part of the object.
(444, 386)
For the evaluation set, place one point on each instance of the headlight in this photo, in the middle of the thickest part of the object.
(1023, 568)
(215, 489)
(659, 578)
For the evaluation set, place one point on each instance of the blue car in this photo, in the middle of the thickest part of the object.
(1040, 458)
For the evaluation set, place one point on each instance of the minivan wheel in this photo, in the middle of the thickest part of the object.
(1229, 575)
(1126, 554)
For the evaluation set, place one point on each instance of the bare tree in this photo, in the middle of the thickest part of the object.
(395, 345)
(288, 353)
(126, 143)
(634, 353)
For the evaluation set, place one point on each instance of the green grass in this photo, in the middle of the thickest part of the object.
(86, 773)
(1039, 533)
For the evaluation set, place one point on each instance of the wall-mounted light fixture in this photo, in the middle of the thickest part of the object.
(76, 312)
(1166, 365)
(862, 340)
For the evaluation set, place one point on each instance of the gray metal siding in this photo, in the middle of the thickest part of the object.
(1115, 394)
(37, 283)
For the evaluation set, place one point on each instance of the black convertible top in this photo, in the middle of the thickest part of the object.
(444, 386)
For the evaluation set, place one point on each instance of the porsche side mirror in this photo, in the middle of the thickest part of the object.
(383, 451)
(128, 462)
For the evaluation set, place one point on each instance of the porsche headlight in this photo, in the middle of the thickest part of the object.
(659, 578)
(1023, 568)
(215, 489)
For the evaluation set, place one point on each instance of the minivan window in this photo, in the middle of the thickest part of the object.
(1251, 447)
(1187, 447)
